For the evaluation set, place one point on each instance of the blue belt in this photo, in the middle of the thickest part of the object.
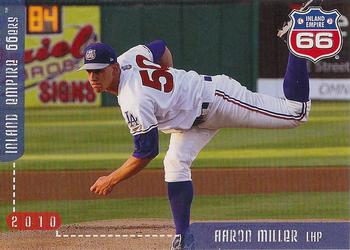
(200, 119)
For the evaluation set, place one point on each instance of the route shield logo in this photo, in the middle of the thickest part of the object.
(315, 34)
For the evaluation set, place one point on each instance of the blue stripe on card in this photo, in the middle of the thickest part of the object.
(12, 30)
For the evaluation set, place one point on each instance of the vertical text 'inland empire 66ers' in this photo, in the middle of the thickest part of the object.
(11, 88)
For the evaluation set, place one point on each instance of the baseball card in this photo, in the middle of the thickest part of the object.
(192, 124)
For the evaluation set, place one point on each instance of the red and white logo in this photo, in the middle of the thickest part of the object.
(315, 34)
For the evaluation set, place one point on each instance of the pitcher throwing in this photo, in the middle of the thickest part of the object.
(154, 96)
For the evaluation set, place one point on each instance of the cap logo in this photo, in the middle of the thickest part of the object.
(90, 54)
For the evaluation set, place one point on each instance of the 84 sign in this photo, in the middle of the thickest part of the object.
(315, 34)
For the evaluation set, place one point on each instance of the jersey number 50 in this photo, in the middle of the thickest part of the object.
(158, 73)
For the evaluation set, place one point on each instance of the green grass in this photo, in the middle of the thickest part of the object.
(98, 138)
(233, 207)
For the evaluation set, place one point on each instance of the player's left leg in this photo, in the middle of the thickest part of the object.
(296, 80)
(183, 149)
(236, 106)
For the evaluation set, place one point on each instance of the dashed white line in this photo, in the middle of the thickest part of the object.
(14, 187)
(58, 235)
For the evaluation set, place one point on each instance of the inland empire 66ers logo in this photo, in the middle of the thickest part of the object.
(315, 34)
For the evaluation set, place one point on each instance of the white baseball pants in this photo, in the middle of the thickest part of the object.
(233, 106)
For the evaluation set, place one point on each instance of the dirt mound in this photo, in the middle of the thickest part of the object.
(111, 234)
(75, 185)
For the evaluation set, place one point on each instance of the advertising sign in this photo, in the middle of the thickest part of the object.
(56, 37)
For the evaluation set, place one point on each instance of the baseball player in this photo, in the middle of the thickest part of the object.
(153, 96)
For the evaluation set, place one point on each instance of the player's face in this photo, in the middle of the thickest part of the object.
(101, 79)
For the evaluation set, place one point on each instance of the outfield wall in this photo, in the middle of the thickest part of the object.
(237, 38)
(209, 37)
(206, 37)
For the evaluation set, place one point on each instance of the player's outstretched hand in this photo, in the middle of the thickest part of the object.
(102, 186)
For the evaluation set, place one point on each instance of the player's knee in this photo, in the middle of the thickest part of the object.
(300, 111)
(176, 168)
(295, 123)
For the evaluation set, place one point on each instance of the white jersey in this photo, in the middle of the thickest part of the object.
(153, 96)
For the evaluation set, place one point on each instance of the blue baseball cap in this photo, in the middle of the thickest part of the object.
(98, 56)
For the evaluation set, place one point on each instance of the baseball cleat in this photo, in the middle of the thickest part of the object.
(182, 243)
(282, 33)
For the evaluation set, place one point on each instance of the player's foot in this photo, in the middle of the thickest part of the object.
(282, 33)
(180, 242)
